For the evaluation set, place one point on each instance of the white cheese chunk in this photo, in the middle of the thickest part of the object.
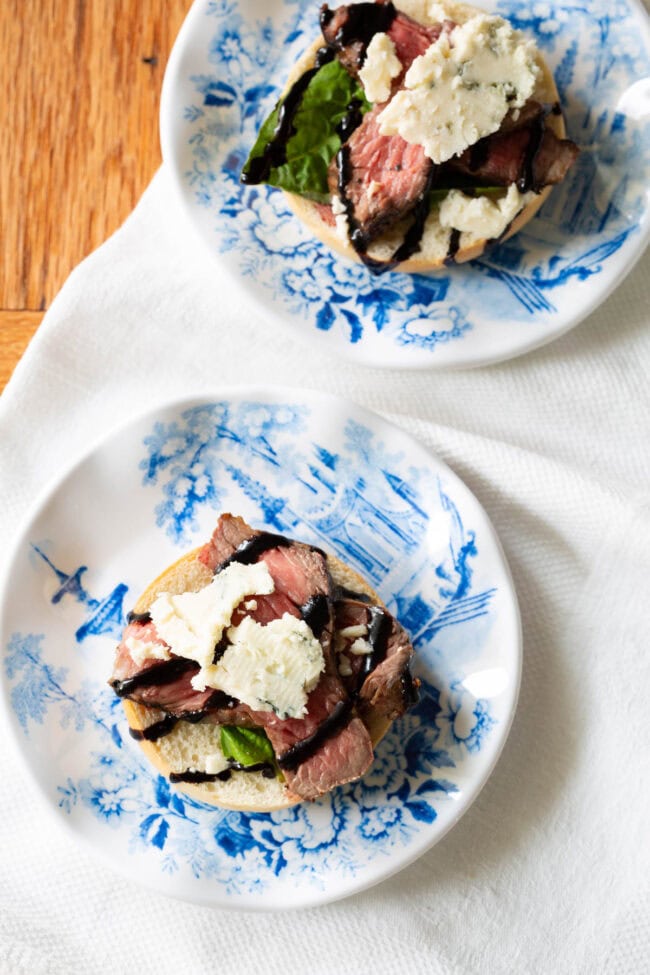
(270, 668)
(192, 623)
(360, 647)
(481, 216)
(345, 670)
(141, 650)
(462, 87)
(357, 629)
(340, 218)
(380, 66)
(215, 763)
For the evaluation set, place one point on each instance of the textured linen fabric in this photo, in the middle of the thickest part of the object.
(549, 870)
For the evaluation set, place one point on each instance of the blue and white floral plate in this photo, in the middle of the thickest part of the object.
(318, 469)
(226, 71)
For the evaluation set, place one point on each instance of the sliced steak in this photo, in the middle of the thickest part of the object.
(554, 159)
(380, 680)
(124, 667)
(350, 613)
(331, 744)
(230, 534)
(411, 39)
(384, 178)
(167, 684)
(348, 30)
(378, 178)
(299, 572)
(381, 179)
(326, 748)
(530, 155)
(389, 690)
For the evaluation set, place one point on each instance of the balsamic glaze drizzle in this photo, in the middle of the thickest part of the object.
(266, 768)
(454, 245)
(350, 121)
(338, 717)
(478, 154)
(155, 731)
(216, 702)
(138, 618)
(378, 633)
(252, 548)
(220, 649)
(413, 237)
(527, 179)
(410, 688)
(158, 675)
(362, 22)
(316, 613)
(342, 592)
(355, 235)
(275, 151)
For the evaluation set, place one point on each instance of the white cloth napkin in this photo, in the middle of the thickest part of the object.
(549, 870)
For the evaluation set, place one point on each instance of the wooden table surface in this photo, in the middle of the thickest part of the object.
(80, 87)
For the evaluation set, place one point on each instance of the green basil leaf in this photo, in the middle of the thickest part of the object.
(248, 746)
(315, 141)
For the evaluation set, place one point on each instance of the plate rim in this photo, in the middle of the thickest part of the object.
(637, 243)
(310, 897)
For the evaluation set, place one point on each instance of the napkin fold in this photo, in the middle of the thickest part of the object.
(548, 871)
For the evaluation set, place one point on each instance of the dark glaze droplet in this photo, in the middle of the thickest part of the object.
(249, 551)
(316, 613)
(478, 154)
(267, 770)
(220, 649)
(526, 179)
(340, 715)
(155, 731)
(217, 701)
(341, 592)
(454, 245)
(157, 676)
(379, 629)
(350, 121)
(275, 151)
(138, 618)
(363, 21)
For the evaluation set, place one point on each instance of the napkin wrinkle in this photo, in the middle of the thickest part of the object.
(454, 444)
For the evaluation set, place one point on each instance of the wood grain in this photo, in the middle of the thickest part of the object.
(16, 329)
(80, 85)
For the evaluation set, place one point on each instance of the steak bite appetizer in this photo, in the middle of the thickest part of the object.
(414, 134)
(258, 672)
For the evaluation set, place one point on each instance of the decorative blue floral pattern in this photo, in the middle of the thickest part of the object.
(359, 496)
(412, 772)
(597, 49)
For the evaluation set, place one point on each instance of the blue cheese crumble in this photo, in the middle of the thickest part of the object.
(462, 87)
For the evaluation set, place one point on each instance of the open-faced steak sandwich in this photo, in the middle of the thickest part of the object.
(414, 134)
(258, 672)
